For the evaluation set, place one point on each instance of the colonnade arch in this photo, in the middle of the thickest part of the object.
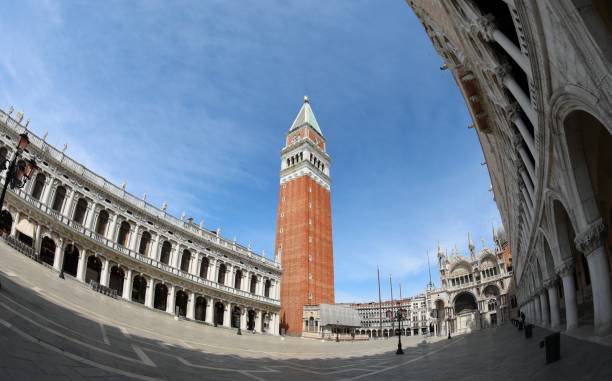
(71, 260)
(219, 313)
(47, 250)
(200, 308)
(93, 271)
(116, 279)
(181, 303)
(139, 289)
(161, 297)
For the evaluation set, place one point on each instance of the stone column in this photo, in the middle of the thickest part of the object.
(212, 266)
(258, 321)
(176, 254)
(566, 271)
(154, 252)
(228, 275)
(193, 263)
(243, 320)
(58, 258)
(275, 327)
(258, 285)
(105, 276)
(190, 305)
(14, 226)
(37, 240)
(47, 190)
(68, 204)
(227, 315)
(553, 301)
(150, 293)
(538, 308)
(510, 48)
(209, 310)
(91, 212)
(127, 286)
(110, 233)
(133, 241)
(592, 244)
(544, 305)
(82, 265)
(171, 298)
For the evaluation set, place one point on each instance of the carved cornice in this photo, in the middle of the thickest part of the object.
(591, 238)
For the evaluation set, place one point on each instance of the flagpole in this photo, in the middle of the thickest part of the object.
(379, 301)
(392, 306)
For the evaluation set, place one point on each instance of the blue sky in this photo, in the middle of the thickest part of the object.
(190, 101)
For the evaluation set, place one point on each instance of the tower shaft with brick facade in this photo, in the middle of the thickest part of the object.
(304, 231)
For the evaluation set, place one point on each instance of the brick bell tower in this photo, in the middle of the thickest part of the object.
(304, 230)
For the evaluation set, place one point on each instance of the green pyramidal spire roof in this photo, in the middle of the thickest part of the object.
(306, 116)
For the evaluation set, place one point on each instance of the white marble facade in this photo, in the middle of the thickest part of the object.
(96, 232)
(537, 79)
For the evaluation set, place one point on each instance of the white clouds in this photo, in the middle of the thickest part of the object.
(190, 104)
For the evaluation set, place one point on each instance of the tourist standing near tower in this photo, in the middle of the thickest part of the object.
(304, 231)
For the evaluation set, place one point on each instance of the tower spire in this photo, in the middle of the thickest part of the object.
(306, 117)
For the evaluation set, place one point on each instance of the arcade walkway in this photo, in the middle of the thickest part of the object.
(52, 329)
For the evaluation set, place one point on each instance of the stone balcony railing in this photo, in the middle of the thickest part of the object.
(481, 282)
(126, 252)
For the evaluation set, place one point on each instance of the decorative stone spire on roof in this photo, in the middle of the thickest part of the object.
(306, 116)
(471, 246)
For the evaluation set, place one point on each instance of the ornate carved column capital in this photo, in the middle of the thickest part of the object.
(550, 282)
(511, 110)
(591, 238)
(483, 27)
(565, 268)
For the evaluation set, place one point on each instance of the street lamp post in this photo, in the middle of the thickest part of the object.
(18, 173)
(337, 332)
(401, 315)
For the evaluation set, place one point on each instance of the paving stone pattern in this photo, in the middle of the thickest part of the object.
(53, 329)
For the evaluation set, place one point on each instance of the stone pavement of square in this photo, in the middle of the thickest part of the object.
(53, 329)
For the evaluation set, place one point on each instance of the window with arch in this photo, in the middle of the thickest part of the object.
(185, 260)
(39, 185)
(253, 285)
(221, 274)
(102, 222)
(238, 280)
(267, 287)
(204, 268)
(79, 211)
(145, 243)
(58, 199)
(124, 234)
(164, 256)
